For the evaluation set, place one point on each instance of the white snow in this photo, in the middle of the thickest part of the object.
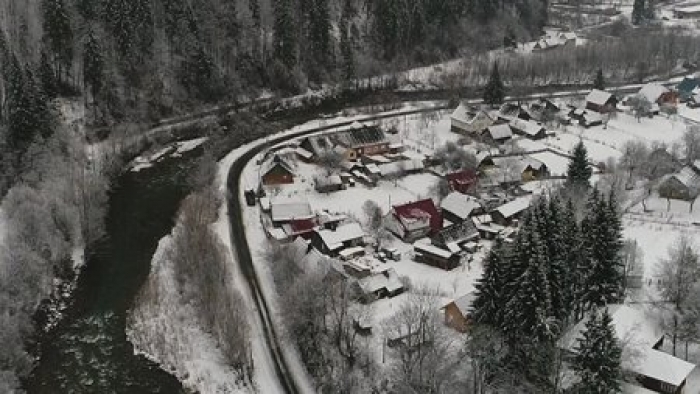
(165, 330)
(176, 149)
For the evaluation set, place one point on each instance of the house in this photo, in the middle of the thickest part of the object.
(585, 118)
(299, 228)
(364, 140)
(414, 220)
(284, 211)
(529, 129)
(453, 237)
(532, 169)
(659, 94)
(398, 168)
(507, 213)
(331, 242)
(276, 172)
(464, 181)
(509, 111)
(694, 101)
(653, 369)
(457, 312)
(434, 256)
(328, 184)
(498, 133)
(385, 284)
(689, 12)
(683, 185)
(466, 121)
(687, 88)
(601, 101)
(458, 207)
(515, 169)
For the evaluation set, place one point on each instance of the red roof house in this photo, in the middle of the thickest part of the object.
(414, 220)
(462, 181)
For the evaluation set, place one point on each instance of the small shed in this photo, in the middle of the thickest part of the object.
(683, 185)
(328, 184)
(457, 312)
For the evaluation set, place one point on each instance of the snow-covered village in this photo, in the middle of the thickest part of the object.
(347, 196)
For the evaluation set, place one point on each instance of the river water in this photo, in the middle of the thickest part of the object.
(88, 352)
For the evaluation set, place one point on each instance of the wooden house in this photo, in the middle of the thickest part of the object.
(458, 207)
(497, 134)
(529, 129)
(507, 213)
(331, 242)
(601, 101)
(683, 185)
(464, 181)
(659, 94)
(414, 220)
(469, 121)
(454, 237)
(457, 312)
(434, 256)
(276, 172)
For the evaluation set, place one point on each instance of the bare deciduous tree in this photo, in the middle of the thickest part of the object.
(678, 274)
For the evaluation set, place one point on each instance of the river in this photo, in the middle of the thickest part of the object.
(88, 352)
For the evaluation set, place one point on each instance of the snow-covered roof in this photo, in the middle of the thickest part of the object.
(464, 303)
(434, 250)
(598, 97)
(460, 205)
(274, 162)
(514, 207)
(688, 10)
(696, 165)
(288, 209)
(388, 280)
(525, 126)
(378, 159)
(653, 91)
(660, 366)
(346, 232)
(482, 219)
(461, 114)
(349, 252)
(332, 180)
(304, 153)
(401, 166)
(500, 131)
(373, 169)
(689, 178)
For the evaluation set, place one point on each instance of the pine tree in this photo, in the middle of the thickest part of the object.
(598, 355)
(599, 81)
(650, 10)
(491, 298)
(47, 76)
(284, 33)
(638, 11)
(320, 34)
(494, 92)
(58, 33)
(579, 173)
(93, 65)
(346, 41)
(575, 257)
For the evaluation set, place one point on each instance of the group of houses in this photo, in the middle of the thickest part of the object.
(498, 127)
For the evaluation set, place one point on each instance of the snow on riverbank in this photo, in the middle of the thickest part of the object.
(176, 149)
(164, 329)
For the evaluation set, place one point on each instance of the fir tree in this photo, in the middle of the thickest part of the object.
(597, 360)
(494, 92)
(599, 81)
(528, 312)
(638, 11)
(491, 298)
(579, 173)
(346, 42)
